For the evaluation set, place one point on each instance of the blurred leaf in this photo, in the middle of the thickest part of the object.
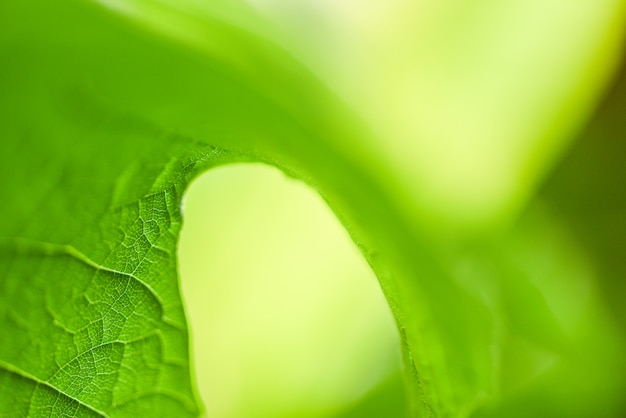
(588, 192)
(472, 101)
(570, 243)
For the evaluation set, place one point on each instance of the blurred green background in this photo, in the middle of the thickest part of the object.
(473, 105)
(287, 318)
(495, 130)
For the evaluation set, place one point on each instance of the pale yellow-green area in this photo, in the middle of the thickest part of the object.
(287, 319)
(470, 102)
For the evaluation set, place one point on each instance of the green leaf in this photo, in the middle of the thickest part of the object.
(105, 118)
(89, 289)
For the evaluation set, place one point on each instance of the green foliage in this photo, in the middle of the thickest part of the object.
(105, 118)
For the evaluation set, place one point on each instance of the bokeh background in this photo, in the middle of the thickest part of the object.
(488, 116)
(287, 318)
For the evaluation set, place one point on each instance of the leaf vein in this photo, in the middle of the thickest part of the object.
(19, 372)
